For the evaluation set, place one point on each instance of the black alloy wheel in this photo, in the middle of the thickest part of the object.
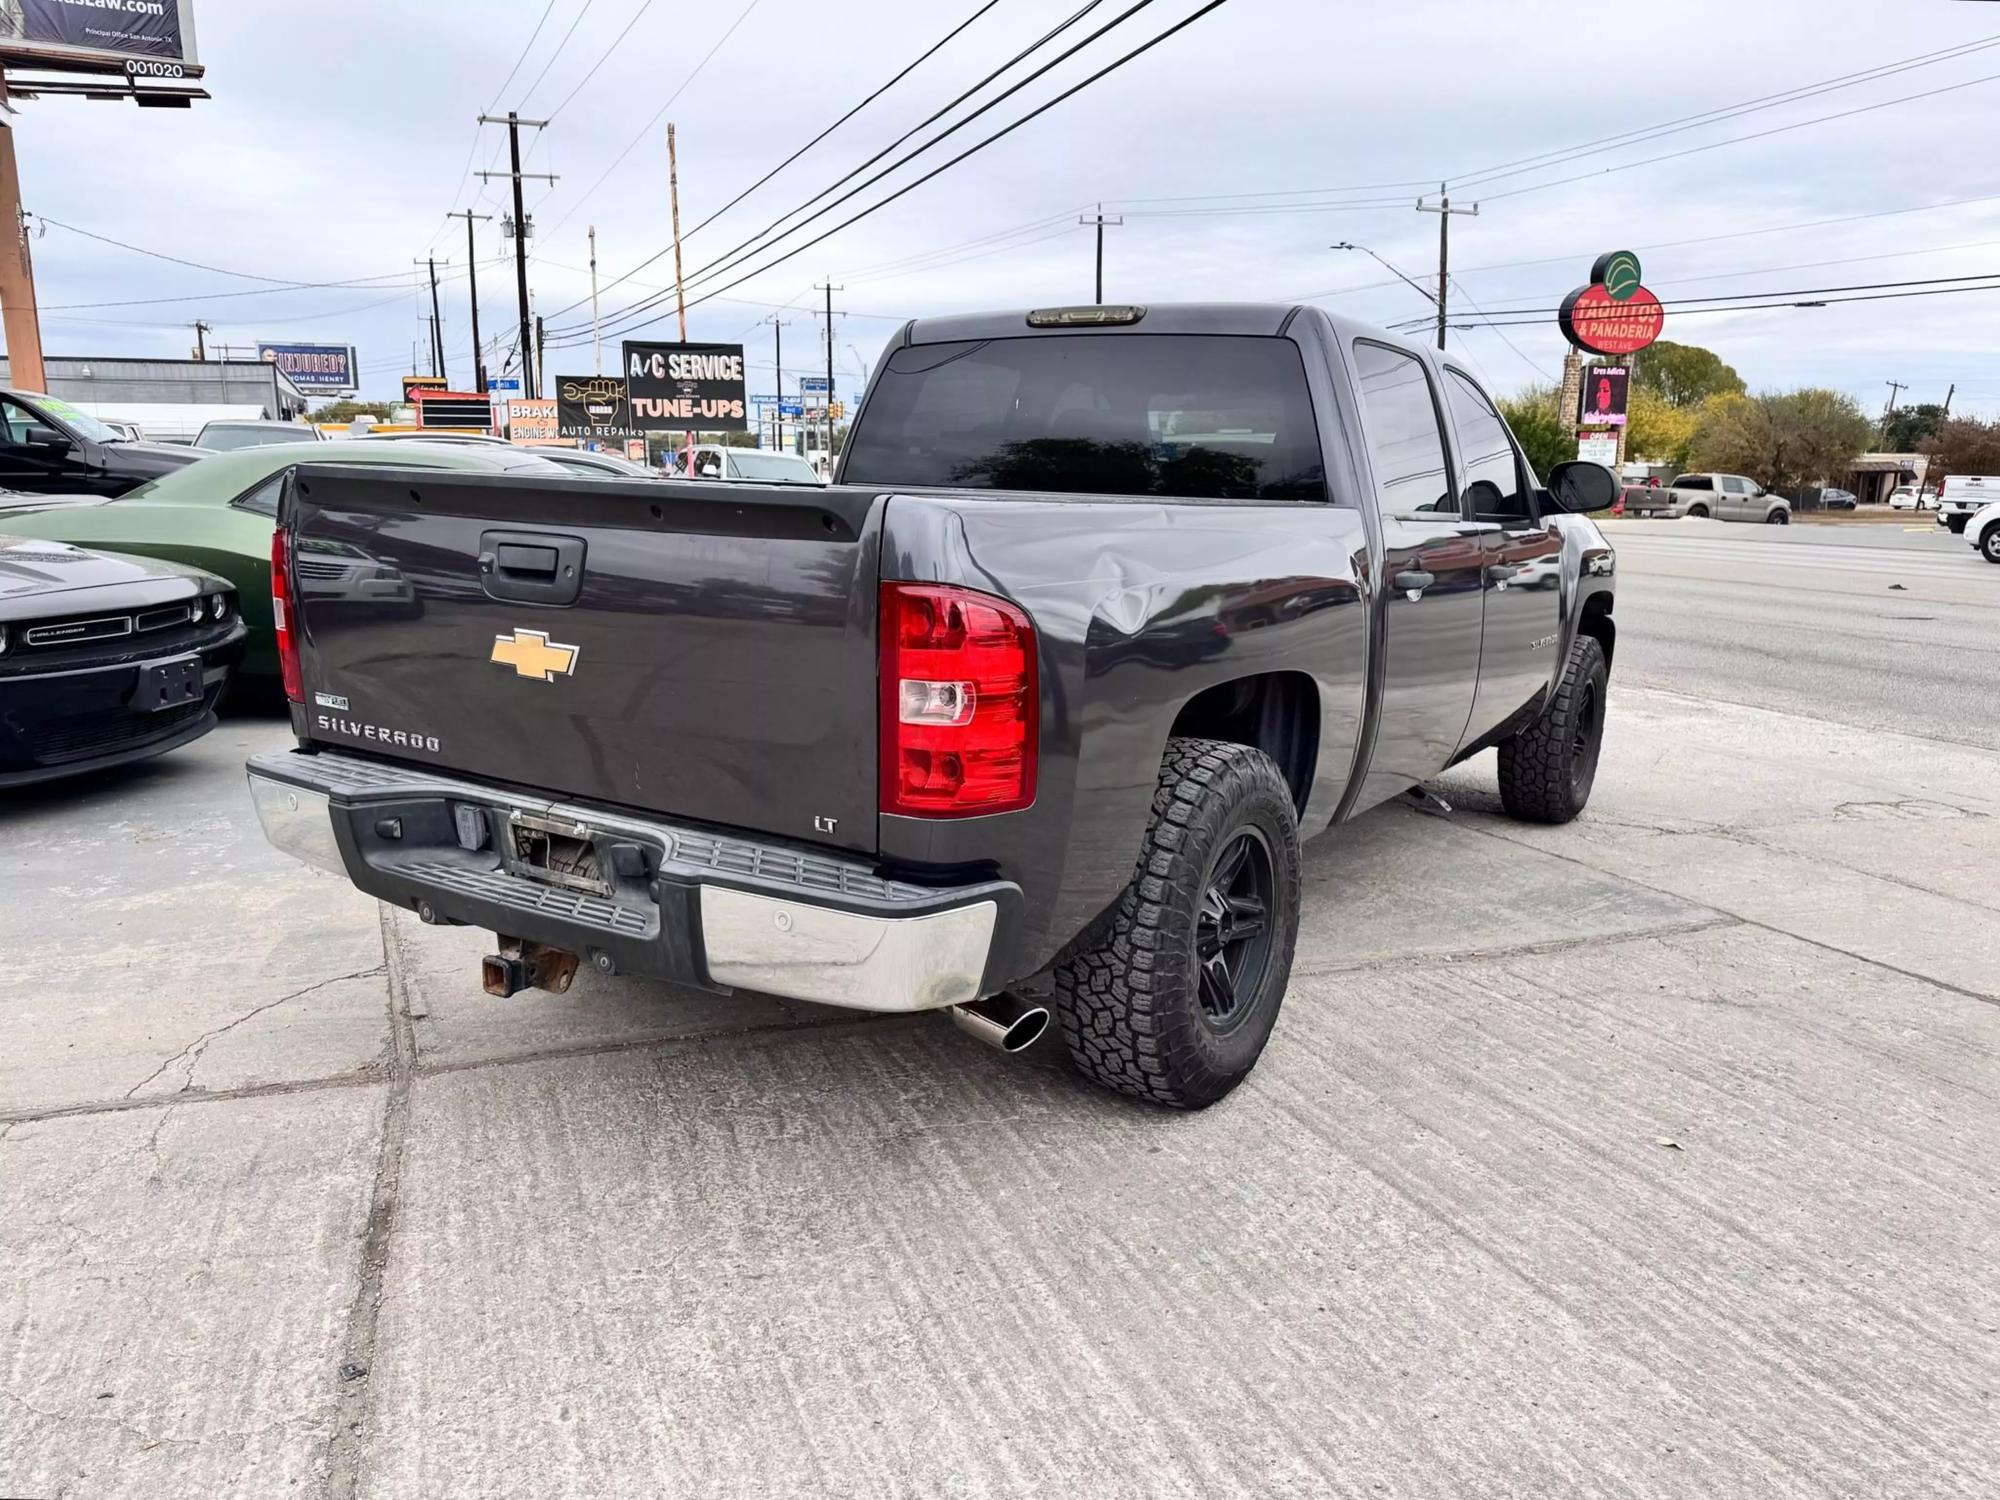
(1232, 937)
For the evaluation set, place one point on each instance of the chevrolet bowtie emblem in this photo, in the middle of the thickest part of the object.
(532, 654)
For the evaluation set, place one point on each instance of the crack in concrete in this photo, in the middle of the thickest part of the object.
(1525, 950)
(150, 1439)
(352, 1386)
(192, 1052)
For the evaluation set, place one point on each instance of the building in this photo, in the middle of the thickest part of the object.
(1873, 475)
(169, 399)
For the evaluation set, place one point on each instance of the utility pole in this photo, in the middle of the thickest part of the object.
(472, 270)
(530, 368)
(829, 288)
(1952, 391)
(429, 262)
(680, 296)
(778, 412)
(1100, 221)
(201, 332)
(541, 346)
(17, 270)
(596, 339)
(1896, 388)
(1443, 209)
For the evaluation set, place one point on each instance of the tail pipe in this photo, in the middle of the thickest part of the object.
(1002, 1021)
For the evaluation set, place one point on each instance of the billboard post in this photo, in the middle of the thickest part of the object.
(22, 323)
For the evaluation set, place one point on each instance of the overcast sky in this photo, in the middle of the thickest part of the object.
(339, 136)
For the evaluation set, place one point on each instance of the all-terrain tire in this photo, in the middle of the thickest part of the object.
(1136, 1012)
(1548, 768)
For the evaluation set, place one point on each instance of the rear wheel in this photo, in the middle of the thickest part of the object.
(1548, 768)
(1989, 543)
(1178, 989)
(1699, 512)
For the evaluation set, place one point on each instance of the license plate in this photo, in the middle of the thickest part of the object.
(168, 684)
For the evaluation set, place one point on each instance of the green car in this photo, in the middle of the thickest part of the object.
(218, 513)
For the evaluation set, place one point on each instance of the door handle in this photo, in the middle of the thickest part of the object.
(1413, 581)
(531, 567)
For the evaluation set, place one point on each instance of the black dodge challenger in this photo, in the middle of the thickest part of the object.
(106, 658)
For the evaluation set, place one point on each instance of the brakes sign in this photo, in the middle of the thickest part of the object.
(682, 387)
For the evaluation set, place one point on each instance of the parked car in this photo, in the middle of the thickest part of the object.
(49, 447)
(126, 432)
(1963, 495)
(598, 465)
(1982, 529)
(751, 465)
(228, 436)
(1111, 607)
(218, 514)
(1727, 497)
(1912, 497)
(106, 659)
(1836, 499)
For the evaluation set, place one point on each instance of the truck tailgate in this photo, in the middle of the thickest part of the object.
(705, 651)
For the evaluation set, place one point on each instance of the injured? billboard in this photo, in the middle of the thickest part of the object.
(49, 32)
(687, 387)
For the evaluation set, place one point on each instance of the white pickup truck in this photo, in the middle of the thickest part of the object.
(1963, 496)
(1726, 497)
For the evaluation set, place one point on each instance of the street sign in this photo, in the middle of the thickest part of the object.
(791, 409)
(503, 385)
(815, 385)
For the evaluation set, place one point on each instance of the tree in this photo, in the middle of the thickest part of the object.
(347, 411)
(1658, 430)
(1964, 445)
(1537, 421)
(1907, 428)
(1782, 441)
(1685, 374)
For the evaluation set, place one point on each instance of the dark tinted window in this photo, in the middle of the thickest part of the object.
(1197, 416)
(264, 498)
(1693, 482)
(1405, 438)
(1495, 489)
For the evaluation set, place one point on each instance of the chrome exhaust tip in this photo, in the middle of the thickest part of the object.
(1002, 1021)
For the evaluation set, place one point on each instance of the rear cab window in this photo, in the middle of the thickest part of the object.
(1188, 416)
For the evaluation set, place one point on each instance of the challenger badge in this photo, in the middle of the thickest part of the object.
(532, 654)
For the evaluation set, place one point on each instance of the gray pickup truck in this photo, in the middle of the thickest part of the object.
(1026, 713)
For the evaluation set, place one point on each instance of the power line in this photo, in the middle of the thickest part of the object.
(1007, 130)
(1817, 302)
(1519, 317)
(693, 74)
(555, 54)
(710, 268)
(644, 6)
(279, 281)
(466, 172)
(903, 73)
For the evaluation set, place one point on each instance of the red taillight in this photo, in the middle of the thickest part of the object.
(281, 617)
(958, 702)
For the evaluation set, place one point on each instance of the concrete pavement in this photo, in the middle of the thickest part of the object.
(1650, 1156)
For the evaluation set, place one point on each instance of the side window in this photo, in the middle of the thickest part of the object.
(1405, 436)
(1495, 486)
(264, 498)
(1734, 486)
(1693, 482)
(15, 420)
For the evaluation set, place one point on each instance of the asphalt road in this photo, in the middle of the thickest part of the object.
(1875, 627)
(1649, 1158)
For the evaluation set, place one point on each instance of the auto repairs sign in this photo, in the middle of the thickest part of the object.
(593, 408)
(316, 369)
(685, 387)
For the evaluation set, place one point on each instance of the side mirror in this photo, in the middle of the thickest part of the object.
(1580, 486)
(47, 437)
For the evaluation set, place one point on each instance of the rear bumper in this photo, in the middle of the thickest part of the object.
(697, 906)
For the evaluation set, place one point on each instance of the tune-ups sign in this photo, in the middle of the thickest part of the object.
(1614, 314)
(682, 387)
